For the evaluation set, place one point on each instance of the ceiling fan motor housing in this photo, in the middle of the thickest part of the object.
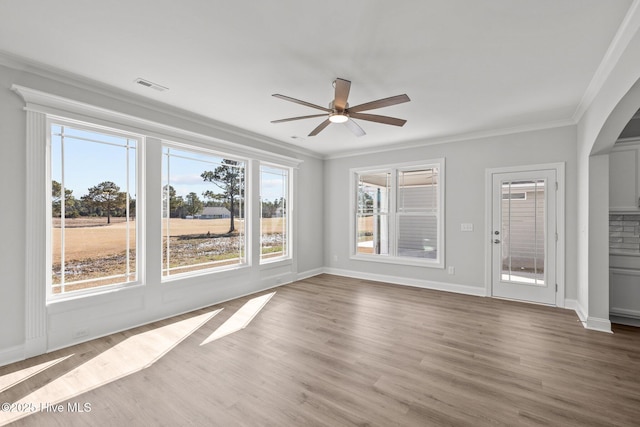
(332, 106)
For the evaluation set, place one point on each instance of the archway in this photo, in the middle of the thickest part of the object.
(596, 166)
(617, 120)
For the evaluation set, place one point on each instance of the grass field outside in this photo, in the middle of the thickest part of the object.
(95, 249)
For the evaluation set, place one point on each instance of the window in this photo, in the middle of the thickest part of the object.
(398, 214)
(274, 215)
(103, 247)
(93, 208)
(203, 211)
(373, 213)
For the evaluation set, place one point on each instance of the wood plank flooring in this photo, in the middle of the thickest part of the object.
(335, 351)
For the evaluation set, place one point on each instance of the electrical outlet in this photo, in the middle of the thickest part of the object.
(451, 270)
(335, 258)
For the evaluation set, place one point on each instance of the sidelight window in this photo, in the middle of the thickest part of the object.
(274, 213)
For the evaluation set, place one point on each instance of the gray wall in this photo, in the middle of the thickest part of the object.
(466, 163)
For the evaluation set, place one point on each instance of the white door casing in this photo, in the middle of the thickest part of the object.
(523, 234)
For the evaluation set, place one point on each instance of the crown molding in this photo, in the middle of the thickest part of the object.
(455, 138)
(628, 28)
(29, 66)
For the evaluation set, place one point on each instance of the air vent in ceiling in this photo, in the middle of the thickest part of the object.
(147, 83)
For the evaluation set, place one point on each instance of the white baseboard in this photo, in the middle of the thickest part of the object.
(625, 312)
(593, 323)
(11, 355)
(598, 324)
(572, 304)
(624, 316)
(310, 273)
(624, 320)
(418, 283)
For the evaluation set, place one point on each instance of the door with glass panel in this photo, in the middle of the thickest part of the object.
(524, 236)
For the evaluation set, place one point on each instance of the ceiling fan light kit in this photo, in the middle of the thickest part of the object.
(340, 112)
(338, 118)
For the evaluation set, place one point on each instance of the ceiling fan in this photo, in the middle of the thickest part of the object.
(340, 112)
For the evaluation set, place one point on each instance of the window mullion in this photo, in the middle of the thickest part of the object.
(393, 213)
(127, 214)
(168, 218)
(62, 212)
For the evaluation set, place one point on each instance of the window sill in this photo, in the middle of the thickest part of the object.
(104, 292)
(398, 261)
(204, 272)
(275, 262)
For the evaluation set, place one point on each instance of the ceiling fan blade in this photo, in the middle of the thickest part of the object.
(297, 101)
(354, 127)
(342, 93)
(320, 127)
(297, 118)
(378, 119)
(386, 102)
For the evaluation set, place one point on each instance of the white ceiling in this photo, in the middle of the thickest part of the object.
(468, 66)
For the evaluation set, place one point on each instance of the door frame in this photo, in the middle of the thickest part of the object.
(560, 223)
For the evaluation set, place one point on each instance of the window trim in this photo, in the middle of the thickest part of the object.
(52, 120)
(394, 215)
(246, 259)
(40, 106)
(289, 200)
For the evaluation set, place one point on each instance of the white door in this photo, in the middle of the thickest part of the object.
(524, 236)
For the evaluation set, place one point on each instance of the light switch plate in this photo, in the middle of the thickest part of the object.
(465, 226)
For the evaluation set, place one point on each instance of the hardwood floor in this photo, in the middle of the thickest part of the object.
(334, 351)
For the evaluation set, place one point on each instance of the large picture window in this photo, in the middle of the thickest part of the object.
(398, 214)
(93, 208)
(274, 213)
(203, 211)
(113, 210)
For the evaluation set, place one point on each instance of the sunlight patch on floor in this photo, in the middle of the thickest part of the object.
(9, 380)
(240, 318)
(125, 358)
